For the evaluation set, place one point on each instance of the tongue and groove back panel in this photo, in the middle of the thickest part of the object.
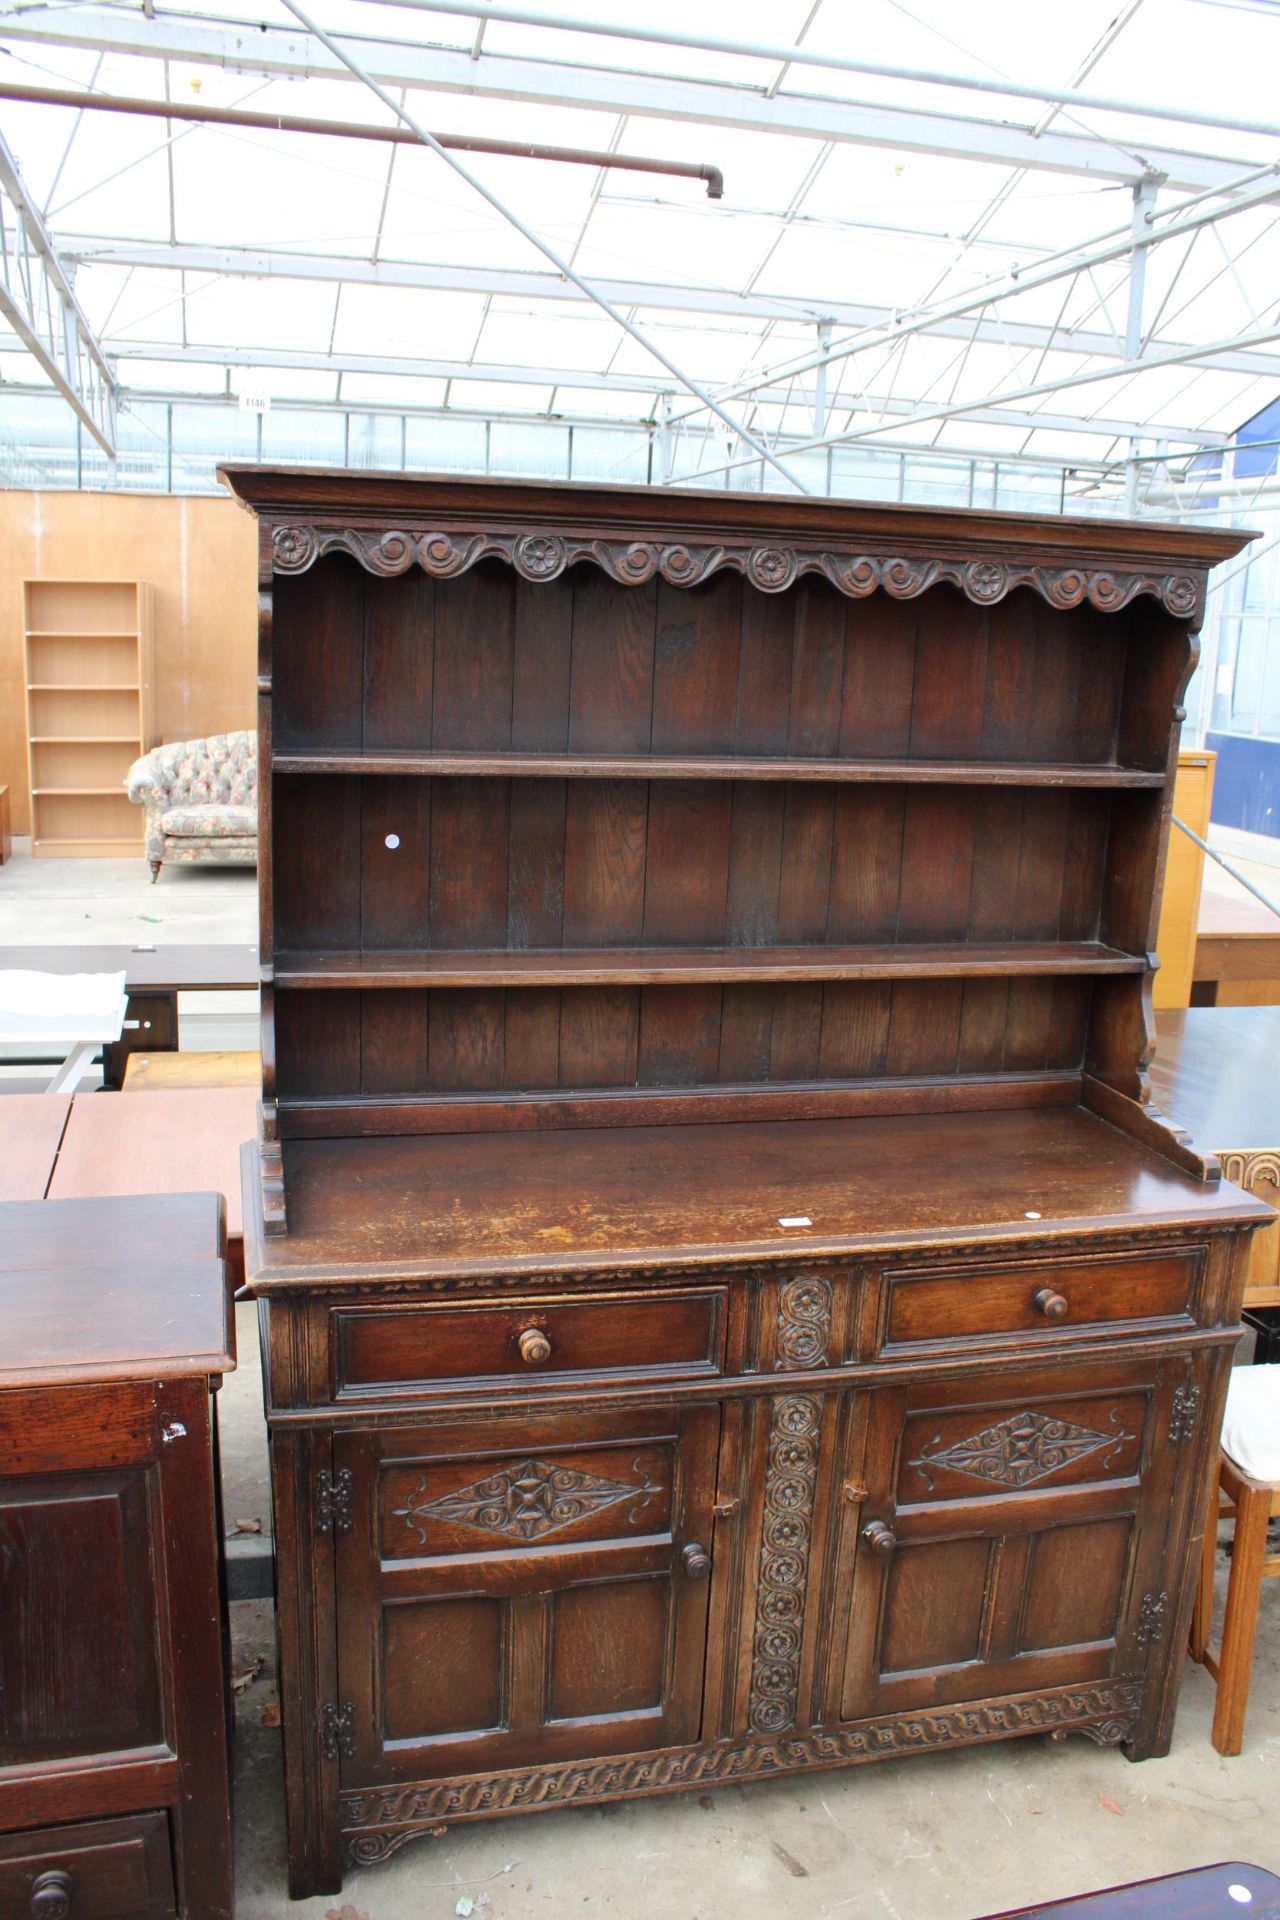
(489, 662)
(527, 850)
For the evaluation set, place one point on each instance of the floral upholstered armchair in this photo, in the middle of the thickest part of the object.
(201, 798)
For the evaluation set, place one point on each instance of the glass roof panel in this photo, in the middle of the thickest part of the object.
(957, 211)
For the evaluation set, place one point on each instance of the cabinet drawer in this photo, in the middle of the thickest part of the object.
(103, 1870)
(1038, 1298)
(388, 1348)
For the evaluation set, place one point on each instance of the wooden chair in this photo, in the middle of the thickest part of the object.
(1248, 1485)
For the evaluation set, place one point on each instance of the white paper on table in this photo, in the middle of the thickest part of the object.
(60, 1006)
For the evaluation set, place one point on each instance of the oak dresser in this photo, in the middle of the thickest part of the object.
(730, 1305)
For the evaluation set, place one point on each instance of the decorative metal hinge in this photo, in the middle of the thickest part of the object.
(338, 1729)
(1151, 1618)
(334, 1494)
(1186, 1411)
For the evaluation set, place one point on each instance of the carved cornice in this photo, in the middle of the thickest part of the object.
(544, 555)
(380, 1819)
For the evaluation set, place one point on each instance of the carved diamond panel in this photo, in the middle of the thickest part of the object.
(524, 1501)
(1020, 1449)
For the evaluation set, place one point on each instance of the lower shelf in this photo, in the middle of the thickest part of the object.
(642, 966)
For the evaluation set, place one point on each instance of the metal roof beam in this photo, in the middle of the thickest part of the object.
(517, 283)
(244, 47)
(1043, 92)
(292, 359)
(38, 301)
(860, 436)
(1260, 187)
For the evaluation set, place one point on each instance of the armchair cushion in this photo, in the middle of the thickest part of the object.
(209, 823)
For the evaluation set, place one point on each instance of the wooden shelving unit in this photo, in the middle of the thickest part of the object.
(732, 1306)
(90, 712)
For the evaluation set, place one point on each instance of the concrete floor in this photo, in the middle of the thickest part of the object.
(956, 1835)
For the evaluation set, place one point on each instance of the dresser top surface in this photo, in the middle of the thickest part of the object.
(114, 1289)
(581, 1200)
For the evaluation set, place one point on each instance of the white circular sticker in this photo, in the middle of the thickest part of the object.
(393, 841)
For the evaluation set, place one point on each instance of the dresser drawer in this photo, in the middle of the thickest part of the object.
(102, 1870)
(940, 1305)
(379, 1349)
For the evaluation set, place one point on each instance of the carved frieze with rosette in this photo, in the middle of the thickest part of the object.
(544, 555)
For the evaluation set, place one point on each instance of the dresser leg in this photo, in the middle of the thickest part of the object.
(308, 1665)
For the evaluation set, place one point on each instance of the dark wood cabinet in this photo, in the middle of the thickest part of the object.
(730, 1304)
(114, 1784)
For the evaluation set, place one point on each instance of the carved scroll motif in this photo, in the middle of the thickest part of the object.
(1105, 1713)
(785, 1540)
(804, 1323)
(544, 555)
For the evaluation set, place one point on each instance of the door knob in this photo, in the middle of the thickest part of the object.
(535, 1348)
(879, 1538)
(697, 1561)
(51, 1896)
(1052, 1305)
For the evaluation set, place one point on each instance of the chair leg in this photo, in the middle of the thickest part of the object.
(1202, 1612)
(155, 871)
(1244, 1592)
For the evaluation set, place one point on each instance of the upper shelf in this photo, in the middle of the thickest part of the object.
(605, 766)
(674, 966)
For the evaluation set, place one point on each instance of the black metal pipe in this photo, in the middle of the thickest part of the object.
(349, 130)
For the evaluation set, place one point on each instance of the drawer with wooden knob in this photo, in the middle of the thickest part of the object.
(99, 1870)
(391, 1349)
(996, 1302)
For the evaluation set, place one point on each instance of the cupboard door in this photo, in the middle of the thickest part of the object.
(1012, 1534)
(506, 1597)
(79, 1665)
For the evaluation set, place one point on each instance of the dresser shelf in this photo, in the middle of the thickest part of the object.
(605, 766)
(648, 966)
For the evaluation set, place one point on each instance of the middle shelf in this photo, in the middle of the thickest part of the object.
(740, 767)
(673, 966)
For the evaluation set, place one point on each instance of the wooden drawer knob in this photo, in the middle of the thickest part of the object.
(697, 1561)
(51, 1896)
(879, 1538)
(1052, 1305)
(535, 1348)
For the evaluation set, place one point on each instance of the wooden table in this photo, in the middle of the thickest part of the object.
(167, 1072)
(1206, 1893)
(115, 1791)
(1237, 953)
(154, 977)
(176, 1142)
(1217, 1073)
(31, 1129)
